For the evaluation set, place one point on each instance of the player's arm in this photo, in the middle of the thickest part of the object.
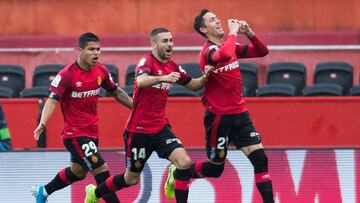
(122, 97)
(197, 83)
(144, 80)
(257, 48)
(46, 114)
(227, 50)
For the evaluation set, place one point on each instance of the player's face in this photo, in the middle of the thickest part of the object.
(212, 25)
(90, 54)
(163, 45)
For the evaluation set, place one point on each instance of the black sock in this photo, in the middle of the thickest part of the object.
(64, 178)
(181, 185)
(112, 184)
(110, 197)
(259, 160)
(265, 188)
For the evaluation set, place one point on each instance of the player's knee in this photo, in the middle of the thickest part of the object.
(259, 160)
(184, 163)
(72, 177)
(131, 179)
(213, 170)
(217, 170)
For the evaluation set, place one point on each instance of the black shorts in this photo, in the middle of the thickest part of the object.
(221, 130)
(84, 151)
(139, 147)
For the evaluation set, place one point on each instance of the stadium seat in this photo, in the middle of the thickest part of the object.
(129, 90)
(193, 69)
(336, 72)
(181, 91)
(45, 73)
(35, 92)
(245, 92)
(276, 90)
(290, 73)
(13, 77)
(355, 90)
(249, 78)
(6, 92)
(323, 90)
(130, 75)
(114, 71)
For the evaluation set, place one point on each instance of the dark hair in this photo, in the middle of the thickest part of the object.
(199, 21)
(87, 37)
(158, 30)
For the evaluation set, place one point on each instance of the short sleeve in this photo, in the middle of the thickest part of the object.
(59, 84)
(144, 66)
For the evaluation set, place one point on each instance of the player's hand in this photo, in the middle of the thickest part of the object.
(39, 129)
(234, 26)
(208, 69)
(244, 28)
(171, 78)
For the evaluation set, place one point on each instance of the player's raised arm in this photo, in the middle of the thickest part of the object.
(257, 48)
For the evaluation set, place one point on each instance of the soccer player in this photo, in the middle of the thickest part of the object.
(226, 118)
(76, 88)
(147, 129)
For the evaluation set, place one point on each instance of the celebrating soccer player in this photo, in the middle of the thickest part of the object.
(77, 88)
(147, 129)
(226, 118)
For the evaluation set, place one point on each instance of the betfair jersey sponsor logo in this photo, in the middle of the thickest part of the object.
(228, 67)
(163, 86)
(84, 94)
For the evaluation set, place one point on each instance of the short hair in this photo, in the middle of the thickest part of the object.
(156, 31)
(87, 37)
(199, 21)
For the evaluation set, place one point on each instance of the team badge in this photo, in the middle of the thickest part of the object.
(55, 82)
(94, 159)
(137, 164)
(221, 153)
(99, 81)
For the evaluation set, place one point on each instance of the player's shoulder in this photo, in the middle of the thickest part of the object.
(65, 74)
(208, 46)
(146, 60)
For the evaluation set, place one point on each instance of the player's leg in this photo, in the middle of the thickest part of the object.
(101, 174)
(249, 141)
(259, 160)
(65, 176)
(217, 129)
(178, 175)
(136, 157)
(170, 147)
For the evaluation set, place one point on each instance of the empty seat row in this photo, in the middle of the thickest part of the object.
(282, 79)
(289, 79)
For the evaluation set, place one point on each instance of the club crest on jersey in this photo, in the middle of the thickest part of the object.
(99, 80)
